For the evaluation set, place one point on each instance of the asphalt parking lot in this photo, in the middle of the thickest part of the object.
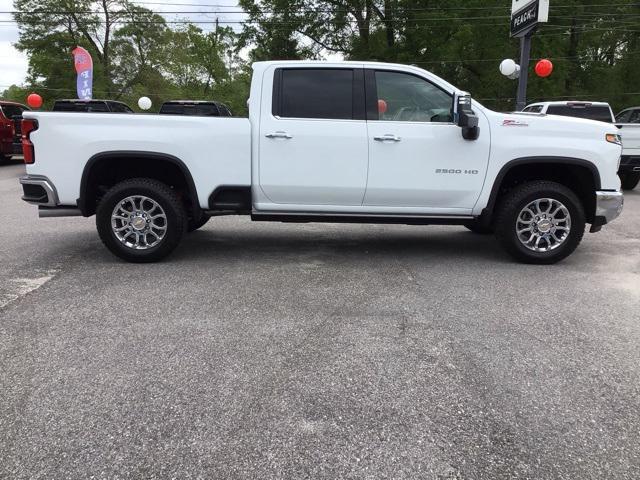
(267, 350)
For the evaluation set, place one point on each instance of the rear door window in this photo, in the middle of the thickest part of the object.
(321, 93)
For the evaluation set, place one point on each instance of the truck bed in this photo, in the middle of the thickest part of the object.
(216, 150)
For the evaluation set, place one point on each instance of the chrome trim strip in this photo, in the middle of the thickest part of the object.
(45, 183)
(258, 213)
(609, 205)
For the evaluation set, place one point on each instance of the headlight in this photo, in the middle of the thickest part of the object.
(613, 138)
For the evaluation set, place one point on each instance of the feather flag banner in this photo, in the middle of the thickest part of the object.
(84, 68)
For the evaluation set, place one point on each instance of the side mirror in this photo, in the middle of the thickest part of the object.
(467, 120)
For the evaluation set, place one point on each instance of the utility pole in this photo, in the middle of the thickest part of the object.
(525, 55)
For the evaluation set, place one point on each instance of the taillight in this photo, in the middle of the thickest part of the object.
(28, 126)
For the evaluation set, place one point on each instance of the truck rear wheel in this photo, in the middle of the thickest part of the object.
(141, 220)
(630, 180)
(540, 222)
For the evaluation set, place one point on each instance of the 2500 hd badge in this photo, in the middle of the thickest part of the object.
(453, 170)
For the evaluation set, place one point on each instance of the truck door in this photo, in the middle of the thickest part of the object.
(313, 136)
(417, 156)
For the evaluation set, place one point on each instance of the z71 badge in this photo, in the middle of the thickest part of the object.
(453, 170)
(514, 123)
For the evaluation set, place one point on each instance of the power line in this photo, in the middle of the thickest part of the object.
(497, 7)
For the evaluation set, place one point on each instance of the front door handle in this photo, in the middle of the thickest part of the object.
(387, 138)
(279, 134)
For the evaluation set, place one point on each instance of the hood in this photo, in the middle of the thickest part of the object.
(551, 124)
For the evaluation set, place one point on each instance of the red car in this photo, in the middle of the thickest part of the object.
(10, 116)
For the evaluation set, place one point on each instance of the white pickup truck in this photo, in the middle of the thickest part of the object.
(329, 142)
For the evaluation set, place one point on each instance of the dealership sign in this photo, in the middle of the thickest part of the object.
(526, 14)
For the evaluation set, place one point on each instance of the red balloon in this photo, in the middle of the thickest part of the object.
(382, 106)
(544, 68)
(34, 100)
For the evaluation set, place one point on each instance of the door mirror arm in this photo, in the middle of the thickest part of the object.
(467, 119)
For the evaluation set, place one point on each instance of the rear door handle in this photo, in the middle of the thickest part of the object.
(387, 138)
(279, 134)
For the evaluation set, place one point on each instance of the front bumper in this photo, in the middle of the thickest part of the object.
(608, 208)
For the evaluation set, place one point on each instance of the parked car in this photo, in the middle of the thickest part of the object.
(626, 121)
(10, 117)
(199, 108)
(103, 106)
(330, 142)
(600, 111)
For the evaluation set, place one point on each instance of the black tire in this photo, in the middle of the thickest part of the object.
(176, 219)
(629, 180)
(517, 199)
(194, 224)
(477, 227)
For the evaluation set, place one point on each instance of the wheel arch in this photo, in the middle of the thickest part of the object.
(125, 164)
(582, 176)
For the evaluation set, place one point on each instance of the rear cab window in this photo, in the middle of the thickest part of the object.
(601, 113)
(119, 107)
(198, 109)
(89, 106)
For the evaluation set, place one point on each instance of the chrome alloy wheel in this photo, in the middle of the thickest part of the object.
(139, 222)
(543, 225)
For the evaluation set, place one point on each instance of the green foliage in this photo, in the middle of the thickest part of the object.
(595, 48)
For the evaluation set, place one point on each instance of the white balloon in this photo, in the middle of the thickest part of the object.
(508, 67)
(144, 103)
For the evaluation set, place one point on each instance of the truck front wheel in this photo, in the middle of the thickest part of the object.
(540, 222)
(141, 220)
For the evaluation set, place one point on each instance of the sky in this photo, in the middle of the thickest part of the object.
(13, 64)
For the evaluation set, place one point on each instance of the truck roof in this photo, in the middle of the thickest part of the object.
(571, 102)
(260, 67)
